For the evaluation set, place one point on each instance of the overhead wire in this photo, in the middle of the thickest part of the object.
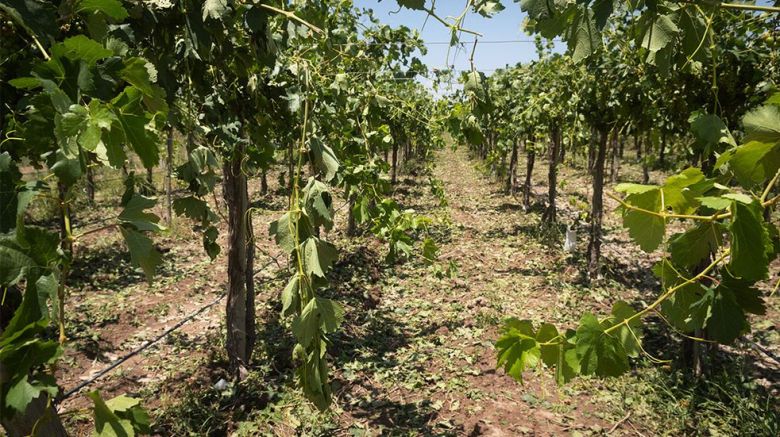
(387, 43)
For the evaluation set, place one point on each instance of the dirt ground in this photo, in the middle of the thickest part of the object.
(416, 353)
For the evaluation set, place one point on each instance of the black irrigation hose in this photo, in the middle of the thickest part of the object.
(138, 350)
(143, 347)
(765, 351)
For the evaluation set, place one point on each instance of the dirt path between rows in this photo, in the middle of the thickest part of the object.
(435, 372)
(415, 354)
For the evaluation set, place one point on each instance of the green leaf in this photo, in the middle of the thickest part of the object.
(134, 214)
(291, 297)
(318, 204)
(748, 297)
(10, 178)
(549, 353)
(38, 17)
(282, 231)
(324, 158)
(629, 188)
(14, 261)
(561, 354)
(599, 353)
(25, 83)
(412, 4)
(710, 131)
(630, 333)
(142, 251)
(331, 314)
(214, 9)
(111, 8)
(691, 248)
(82, 48)
(660, 33)
(763, 124)
(754, 162)
(517, 348)
(538, 9)
(645, 229)
(739, 197)
(42, 245)
(750, 243)
(319, 315)
(210, 244)
(110, 151)
(25, 349)
(723, 318)
(313, 374)
(122, 403)
(473, 134)
(585, 36)
(195, 209)
(23, 391)
(107, 423)
(679, 309)
(694, 32)
(430, 250)
(727, 320)
(488, 8)
(143, 142)
(682, 190)
(141, 74)
(716, 203)
(67, 170)
(130, 409)
(29, 316)
(318, 256)
(67, 127)
(46, 288)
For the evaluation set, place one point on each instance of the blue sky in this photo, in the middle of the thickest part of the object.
(505, 26)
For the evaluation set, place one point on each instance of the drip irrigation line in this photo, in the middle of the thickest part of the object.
(138, 174)
(138, 350)
(764, 350)
(144, 346)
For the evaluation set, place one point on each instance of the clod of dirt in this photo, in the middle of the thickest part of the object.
(483, 429)
(479, 302)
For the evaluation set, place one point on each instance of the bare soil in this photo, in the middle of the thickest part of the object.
(415, 355)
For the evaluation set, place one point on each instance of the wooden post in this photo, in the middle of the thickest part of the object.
(529, 169)
(90, 184)
(512, 171)
(552, 175)
(169, 175)
(239, 315)
(597, 207)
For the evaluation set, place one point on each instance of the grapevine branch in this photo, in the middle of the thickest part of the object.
(668, 294)
(292, 16)
(769, 186)
(707, 218)
(677, 331)
(746, 7)
(652, 307)
(735, 6)
(456, 26)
